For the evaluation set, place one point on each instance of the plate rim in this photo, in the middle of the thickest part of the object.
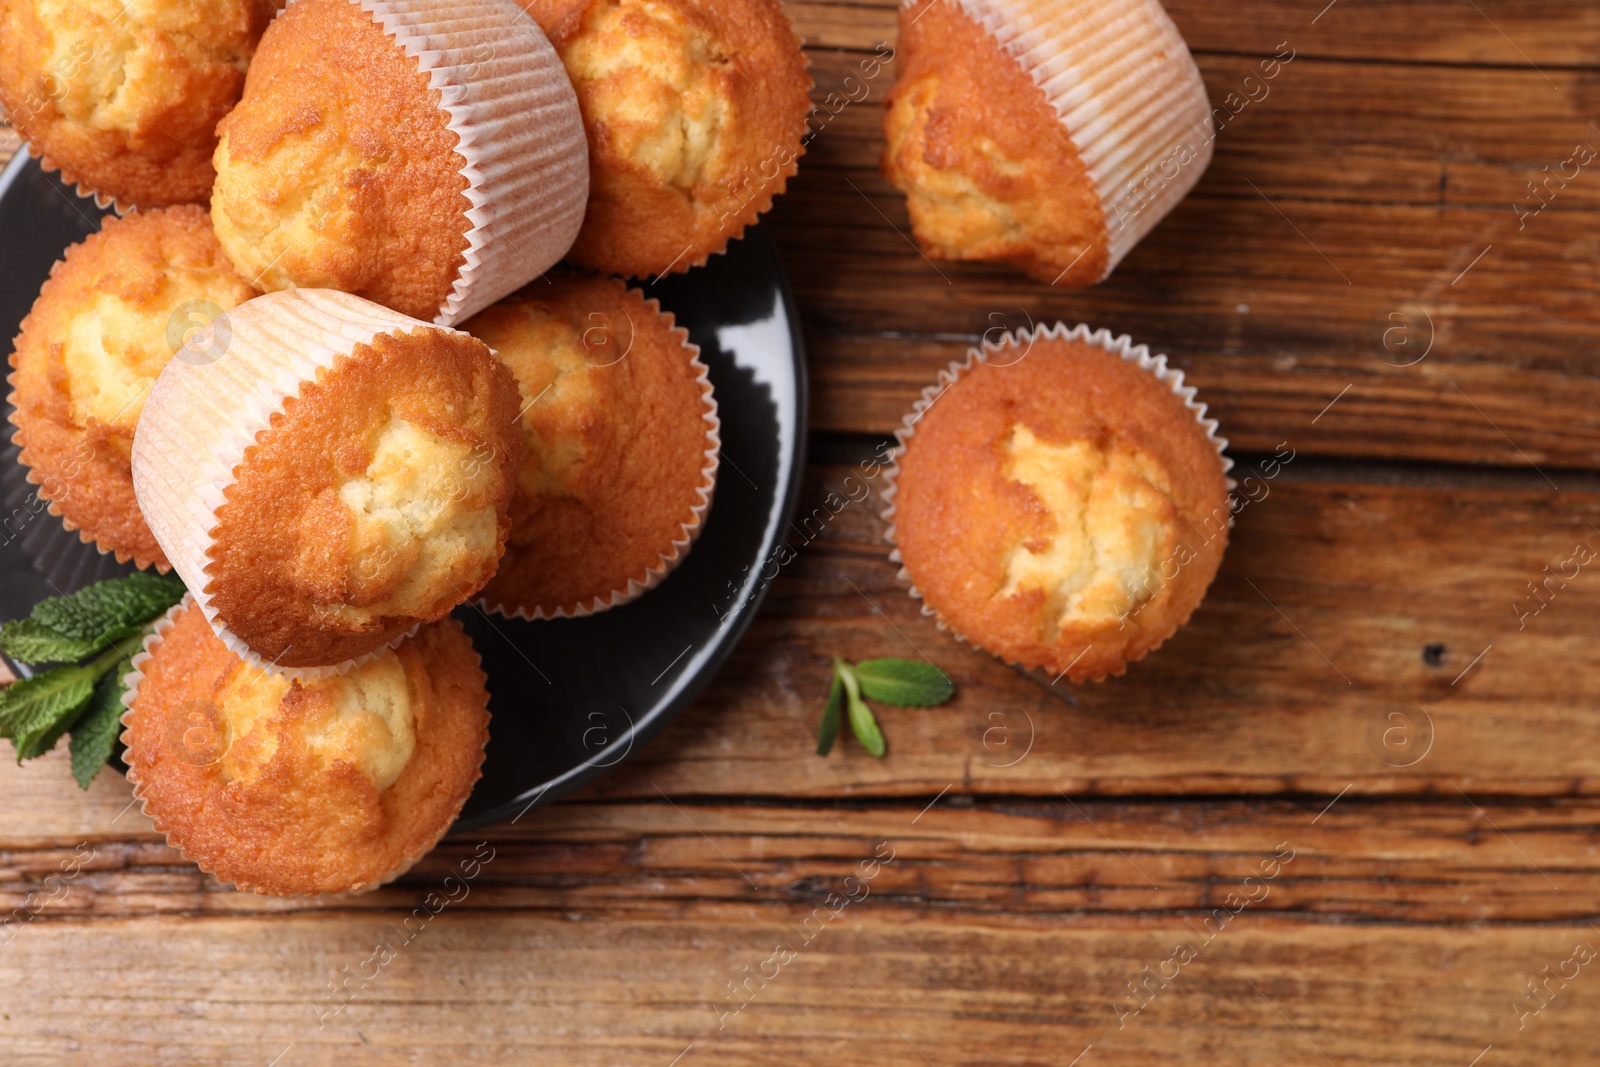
(638, 735)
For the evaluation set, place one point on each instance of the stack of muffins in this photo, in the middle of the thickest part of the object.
(329, 403)
(372, 425)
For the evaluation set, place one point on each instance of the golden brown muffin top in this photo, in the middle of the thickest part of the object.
(114, 310)
(695, 110)
(125, 98)
(337, 169)
(1061, 507)
(378, 498)
(988, 168)
(291, 787)
(616, 426)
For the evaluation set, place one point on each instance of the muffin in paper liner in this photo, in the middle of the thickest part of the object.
(1015, 348)
(1120, 79)
(697, 113)
(286, 468)
(519, 148)
(236, 819)
(596, 300)
(147, 140)
(115, 307)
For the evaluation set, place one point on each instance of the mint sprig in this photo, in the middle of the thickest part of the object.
(94, 735)
(108, 621)
(901, 682)
(831, 712)
(96, 610)
(31, 707)
(906, 683)
(31, 641)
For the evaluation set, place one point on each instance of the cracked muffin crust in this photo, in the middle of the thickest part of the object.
(292, 787)
(620, 437)
(124, 98)
(337, 169)
(378, 498)
(115, 309)
(695, 112)
(1048, 134)
(1060, 507)
(988, 168)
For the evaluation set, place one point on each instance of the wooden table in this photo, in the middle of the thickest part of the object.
(1350, 279)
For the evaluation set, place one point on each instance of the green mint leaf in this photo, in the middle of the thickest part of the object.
(96, 732)
(32, 642)
(906, 683)
(36, 711)
(831, 712)
(110, 605)
(862, 722)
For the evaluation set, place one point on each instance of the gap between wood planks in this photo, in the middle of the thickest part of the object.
(835, 447)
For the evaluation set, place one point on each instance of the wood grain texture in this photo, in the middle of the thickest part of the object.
(1357, 215)
(1315, 633)
(882, 986)
(1430, 862)
(883, 982)
(1554, 34)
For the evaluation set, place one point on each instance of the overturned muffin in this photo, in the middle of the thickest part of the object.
(1048, 134)
(115, 309)
(695, 112)
(297, 787)
(432, 181)
(1060, 501)
(620, 438)
(124, 98)
(340, 475)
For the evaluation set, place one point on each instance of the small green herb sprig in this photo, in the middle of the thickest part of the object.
(92, 634)
(905, 683)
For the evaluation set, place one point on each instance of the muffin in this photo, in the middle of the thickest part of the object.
(424, 154)
(620, 438)
(695, 111)
(291, 787)
(1043, 133)
(1060, 500)
(114, 310)
(340, 475)
(124, 98)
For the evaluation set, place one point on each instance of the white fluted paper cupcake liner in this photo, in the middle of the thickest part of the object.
(69, 559)
(1121, 77)
(515, 112)
(1120, 345)
(99, 199)
(687, 532)
(131, 682)
(201, 416)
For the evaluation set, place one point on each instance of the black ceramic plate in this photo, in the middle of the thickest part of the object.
(572, 697)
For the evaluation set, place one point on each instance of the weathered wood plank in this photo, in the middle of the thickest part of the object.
(1271, 319)
(878, 984)
(1382, 599)
(1454, 860)
(1350, 132)
(1335, 242)
(1551, 34)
